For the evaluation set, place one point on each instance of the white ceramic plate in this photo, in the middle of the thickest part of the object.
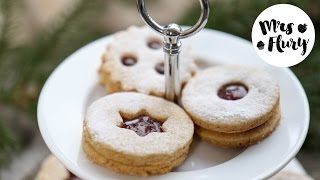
(74, 85)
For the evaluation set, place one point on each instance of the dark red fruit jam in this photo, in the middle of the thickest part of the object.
(142, 125)
(129, 60)
(160, 68)
(232, 92)
(154, 44)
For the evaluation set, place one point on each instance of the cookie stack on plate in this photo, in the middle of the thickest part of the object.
(232, 105)
(137, 134)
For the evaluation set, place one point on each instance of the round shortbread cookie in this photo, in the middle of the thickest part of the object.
(201, 98)
(241, 139)
(134, 61)
(105, 133)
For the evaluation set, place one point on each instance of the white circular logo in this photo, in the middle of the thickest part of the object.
(283, 35)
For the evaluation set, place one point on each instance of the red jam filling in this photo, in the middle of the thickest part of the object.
(232, 92)
(160, 68)
(128, 60)
(142, 125)
(154, 44)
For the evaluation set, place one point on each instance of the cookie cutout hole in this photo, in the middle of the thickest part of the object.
(233, 91)
(160, 68)
(142, 125)
(129, 60)
(154, 43)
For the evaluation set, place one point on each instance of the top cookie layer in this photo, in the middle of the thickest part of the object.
(142, 73)
(200, 98)
(105, 116)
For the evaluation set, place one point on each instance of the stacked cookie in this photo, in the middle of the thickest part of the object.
(232, 106)
(137, 134)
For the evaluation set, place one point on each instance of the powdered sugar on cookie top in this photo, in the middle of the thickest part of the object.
(200, 97)
(105, 116)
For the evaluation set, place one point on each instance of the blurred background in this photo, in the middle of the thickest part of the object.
(37, 35)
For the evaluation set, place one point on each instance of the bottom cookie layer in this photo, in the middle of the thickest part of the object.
(145, 170)
(242, 139)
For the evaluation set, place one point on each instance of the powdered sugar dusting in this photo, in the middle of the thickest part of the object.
(142, 77)
(103, 120)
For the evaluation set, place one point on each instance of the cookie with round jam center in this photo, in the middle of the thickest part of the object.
(142, 125)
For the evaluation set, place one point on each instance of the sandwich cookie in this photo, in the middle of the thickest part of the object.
(137, 134)
(233, 105)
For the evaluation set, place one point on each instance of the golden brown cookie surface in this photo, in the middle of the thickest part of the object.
(241, 139)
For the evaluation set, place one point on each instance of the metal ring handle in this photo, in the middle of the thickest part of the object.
(183, 34)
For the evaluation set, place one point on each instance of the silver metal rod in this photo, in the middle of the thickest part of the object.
(171, 49)
(172, 79)
(172, 34)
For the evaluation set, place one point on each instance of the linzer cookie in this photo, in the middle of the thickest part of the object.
(134, 61)
(233, 105)
(137, 134)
